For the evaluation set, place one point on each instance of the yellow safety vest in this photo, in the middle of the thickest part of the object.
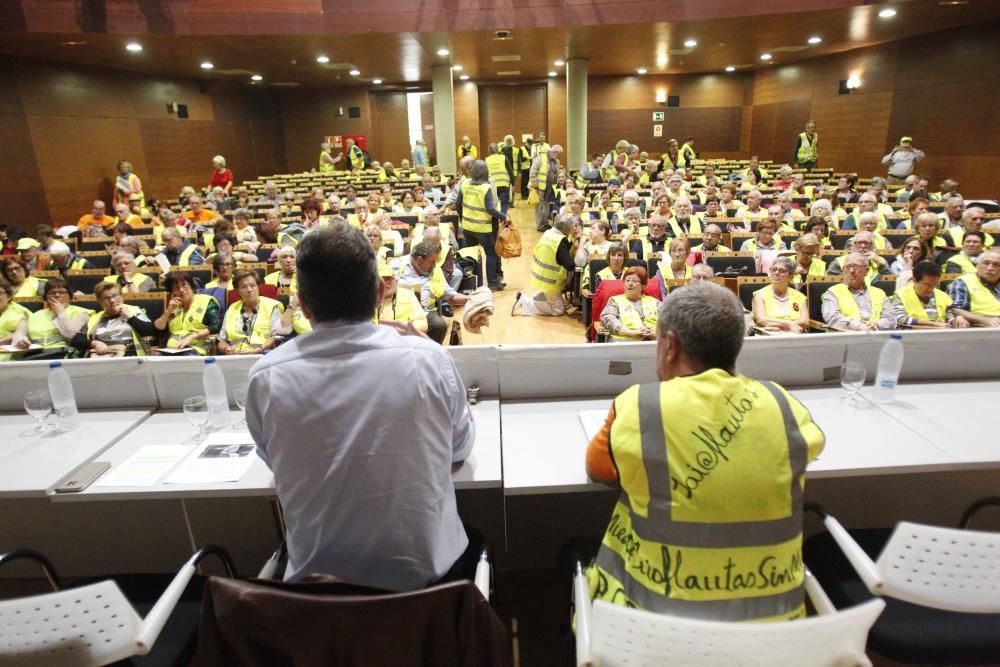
(964, 262)
(543, 169)
(497, 165)
(436, 286)
(190, 322)
(629, 313)
(272, 279)
(357, 158)
(808, 150)
(798, 303)
(134, 284)
(130, 312)
(185, 258)
(956, 234)
(403, 307)
(323, 165)
(546, 274)
(42, 327)
(261, 330)
(9, 319)
(709, 523)
(525, 158)
(464, 152)
(849, 307)
(300, 324)
(915, 307)
(475, 218)
(869, 277)
(667, 272)
(686, 156)
(31, 286)
(694, 226)
(817, 267)
(981, 299)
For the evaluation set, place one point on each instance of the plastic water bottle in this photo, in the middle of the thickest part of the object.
(215, 395)
(890, 363)
(63, 400)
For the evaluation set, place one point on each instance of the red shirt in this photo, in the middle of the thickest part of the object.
(220, 180)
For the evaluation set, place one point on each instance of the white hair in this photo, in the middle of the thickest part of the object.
(59, 248)
(820, 203)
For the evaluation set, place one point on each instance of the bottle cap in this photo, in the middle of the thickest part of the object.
(55, 364)
(210, 360)
(896, 336)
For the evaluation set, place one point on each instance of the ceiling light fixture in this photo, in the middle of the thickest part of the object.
(355, 72)
(887, 13)
(730, 68)
(256, 77)
(443, 52)
(134, 47)
(377, 81)
(815, 40)
(641, 70)
(553, 73)
(207, 65)
(322, 59)
(560, 63)
(765, 56)
(691, 43)
(464, 77)
(456, 68)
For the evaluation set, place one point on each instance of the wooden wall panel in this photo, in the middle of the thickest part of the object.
(390, 136)
(514, 110)
(716, 130)
(762, 129)
(309, 114)
(427, 118)
(20, 181)
(556, 104)
(639, 92)
(466, 103)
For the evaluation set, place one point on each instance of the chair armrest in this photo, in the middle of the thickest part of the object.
(483, 575)
(581, 602)
(860, 561)
(48, 569)
(272, 563)
(818, 596)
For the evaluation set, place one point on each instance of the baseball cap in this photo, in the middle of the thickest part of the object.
(385, 271)
(26, 242)
(905, 139)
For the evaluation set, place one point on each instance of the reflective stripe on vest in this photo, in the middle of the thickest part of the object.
(807, 149)
(546, 274)
(917, 309)
(185, 258)
(797, 303)
(261, 324)
(497, 165)
(130, 312)
(475, 218)
(629, 314)
(357, 157)
(981, 299)
(190, 322)
(694, 226)
(849, 307)
(729, 563)
(543, 171)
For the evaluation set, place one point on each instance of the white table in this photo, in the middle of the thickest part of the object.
(33, 465)
(483, 468)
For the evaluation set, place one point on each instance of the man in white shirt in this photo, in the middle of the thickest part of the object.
(365, 485)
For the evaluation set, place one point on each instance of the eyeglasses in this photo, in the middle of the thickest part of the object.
(777, 270)
(855, 267)
(863, 243)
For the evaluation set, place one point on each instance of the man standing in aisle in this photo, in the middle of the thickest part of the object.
(711, 465)
(477, 210)
(901, 161)
(807, 148)
(496, 164)
(524, 166)
(367, 499)
(355, 156)
(544, 171)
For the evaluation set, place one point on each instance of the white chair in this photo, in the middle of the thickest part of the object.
(88, 625)
(612, 635)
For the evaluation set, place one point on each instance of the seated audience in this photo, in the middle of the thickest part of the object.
(270, 229)
(677, 268)
(63, 259)
(117, 329)
(766, 239)
(453, 272)
(390, 236)
(596, 244)
(778, 307)
(16, 275)
(180, 251)
(127, 277)
(271, 197)
(124, 215)
(868, 222)
(853, 304)
(223, 267)
(251, 324)
(927, 226)
(976, 296)
(30, 253)
(807, 261)
(284, 277)
(972, 221)
(914, 250)
(922, 304)
(432, 218)
(13, 320)
(631, 316)
(421, 270)
(866, 204)
(54, 326)
(613, 271)
(382, 251)
(972, 250)
(684, 221)
(197, 214)
(97, 221)
(189, 317)
(399, 306)
(864, 245)
(711, 239)
(246, 236)
(655, 241)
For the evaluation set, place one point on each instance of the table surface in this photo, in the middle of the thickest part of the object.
(481, 470)
(544, 445)
(33, 465)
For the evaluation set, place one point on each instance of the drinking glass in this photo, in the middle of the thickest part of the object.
(240, 397)
(852, 378)
(196, 412)
(38, 404)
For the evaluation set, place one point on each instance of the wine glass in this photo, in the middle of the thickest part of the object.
(196, 412)
(38, 404)
(852, 378)
(240, 398)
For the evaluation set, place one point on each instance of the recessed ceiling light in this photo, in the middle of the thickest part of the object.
(641, 70)
(443, 52)
(560, 63)
(77, 42)
(815, 40)
(464, 77)
(256, 77)
(730, 68)
(377, 81)
(134, 47)
(207, 65)
(691, 43)
(322, 59)
(765, 56)
(887, 13)
(456, 68)
(355, 72)
(553, 73)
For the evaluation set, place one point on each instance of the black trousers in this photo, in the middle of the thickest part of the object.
(488, 242)
(525, 178)
(465, 566)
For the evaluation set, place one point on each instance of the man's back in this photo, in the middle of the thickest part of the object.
(357, 424)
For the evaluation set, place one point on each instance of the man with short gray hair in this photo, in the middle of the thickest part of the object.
(64, 260)
(551, 264)
(853, 305)
(542, 179)
(681, 450)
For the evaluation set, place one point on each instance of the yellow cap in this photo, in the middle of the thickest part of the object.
(26, 242)
(385, 271)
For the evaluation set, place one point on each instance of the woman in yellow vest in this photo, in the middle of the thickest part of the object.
(615, 270)
(596, 245)
(13, 320)
(327, 163)
(778, 307)
(928, 225)
(407, 206)
(922, 304)
(807, 261)
(678, 268)
(127, 278)
(399, 306)
(382, 251)
(477, 210)
(117, 330)
(252, 324)
(284, 277)
(190, 318)
(55, 325)
(15, 272)
(293, 319)
(631, 316)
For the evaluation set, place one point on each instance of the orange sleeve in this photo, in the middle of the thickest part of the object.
(600, 462)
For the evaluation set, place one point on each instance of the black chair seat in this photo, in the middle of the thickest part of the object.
(904, 632)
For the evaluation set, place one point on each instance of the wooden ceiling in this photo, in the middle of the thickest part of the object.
(404, 59)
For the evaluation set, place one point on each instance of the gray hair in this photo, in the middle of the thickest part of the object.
(818, 203)
(241, 213)
(708, 322)
(120, 255)
(564, 222)
(877, 182)
(494, 148)
(556, 148)
(703, 268)
(630, 194)
(425, 249)
(59, 248)
(869, 236)
(786, 262)
(432, 233)
(479, 172)
(634, 210)
(866, 216)
(972, 210)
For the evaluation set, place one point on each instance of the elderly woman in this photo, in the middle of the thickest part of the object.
(575, 203)
(223, 266)
(127, 184)
(399, 306)
(246, 236)
(766, 230)
(915, 208)
(15, 272)
(807, 261)
(13, 320)
(382, 251)
(822, 208)
(777, 307)
(613, 271)
(117, 329)
(631, 316)
(914, 250)
(252, 324)
(868, 222)
(225, 244)
(54, 326)
(389, 235)
(631, 223)
(408, 206)
(678, 269)
(221, 176)
(927, 227)
(127, 277)
(819, 228)
(595, 244)
(284, 277)
(190, 317)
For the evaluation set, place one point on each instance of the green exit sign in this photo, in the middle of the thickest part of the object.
(657, 116)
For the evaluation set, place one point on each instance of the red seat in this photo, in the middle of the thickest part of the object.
(610, 288)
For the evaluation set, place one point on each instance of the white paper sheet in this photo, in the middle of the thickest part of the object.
(147, 466)
(15, 348)
(223, 457)
(592, 422)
